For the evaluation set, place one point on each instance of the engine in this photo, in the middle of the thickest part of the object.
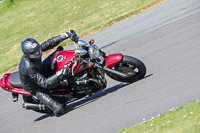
(80, 84)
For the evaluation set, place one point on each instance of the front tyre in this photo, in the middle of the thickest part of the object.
(134, 69)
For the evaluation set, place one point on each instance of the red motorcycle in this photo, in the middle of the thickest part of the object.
(88, 66)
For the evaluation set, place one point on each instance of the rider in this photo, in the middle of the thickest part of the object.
(30, 71)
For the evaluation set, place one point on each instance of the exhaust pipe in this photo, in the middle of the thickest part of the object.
(31, 106)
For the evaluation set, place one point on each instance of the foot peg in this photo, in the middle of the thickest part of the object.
(15, 97)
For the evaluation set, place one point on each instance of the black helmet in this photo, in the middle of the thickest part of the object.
(31, 49)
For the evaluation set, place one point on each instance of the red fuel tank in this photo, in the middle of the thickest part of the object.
(61, 59)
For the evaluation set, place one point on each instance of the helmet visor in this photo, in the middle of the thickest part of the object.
(35, 53)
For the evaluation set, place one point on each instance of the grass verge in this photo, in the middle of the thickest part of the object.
(44, 19)
(185, 119)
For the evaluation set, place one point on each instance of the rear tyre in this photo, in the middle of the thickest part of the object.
(134, 68)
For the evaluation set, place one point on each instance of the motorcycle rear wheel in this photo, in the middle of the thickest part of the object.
(134, 68)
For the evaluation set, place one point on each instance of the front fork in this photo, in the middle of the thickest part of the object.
(111, 61)
(105, 68)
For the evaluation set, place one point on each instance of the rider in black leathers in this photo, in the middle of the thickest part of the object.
(31, 74)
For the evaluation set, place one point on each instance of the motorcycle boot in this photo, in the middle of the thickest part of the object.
(56, 107)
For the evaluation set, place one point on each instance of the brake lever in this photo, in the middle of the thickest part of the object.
(77, 32)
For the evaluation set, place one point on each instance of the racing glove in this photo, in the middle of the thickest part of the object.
(73, 36)
(63, 72)
(65, 35)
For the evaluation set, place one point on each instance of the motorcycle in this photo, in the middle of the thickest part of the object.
(88, 65)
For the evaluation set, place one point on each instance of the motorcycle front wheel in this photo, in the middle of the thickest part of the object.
(132, 67)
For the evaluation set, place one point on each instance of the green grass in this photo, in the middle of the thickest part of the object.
(185, 119)
(43, 19)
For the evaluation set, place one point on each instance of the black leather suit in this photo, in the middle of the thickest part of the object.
(32, 78)
(31, 72)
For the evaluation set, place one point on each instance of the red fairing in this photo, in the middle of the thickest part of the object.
(112, 60)
(61, 59)
(4, 83)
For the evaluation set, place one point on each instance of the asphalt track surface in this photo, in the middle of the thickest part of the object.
(166, 38)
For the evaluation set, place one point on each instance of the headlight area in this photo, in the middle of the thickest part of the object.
(94, 52)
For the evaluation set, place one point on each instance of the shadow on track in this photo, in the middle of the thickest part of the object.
(89, 99)
(86, 100)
